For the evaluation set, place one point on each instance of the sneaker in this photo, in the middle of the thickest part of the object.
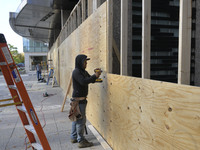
(84, 144)
(74, 141)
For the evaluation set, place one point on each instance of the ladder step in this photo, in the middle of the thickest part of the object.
(17, 87)
(9, 99)
(30, 128)
(10, 104)
(12, 87)
(22, 108)
(3, 64)
(37, 146)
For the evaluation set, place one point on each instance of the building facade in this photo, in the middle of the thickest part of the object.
(39, 23)
(34, 52)
(50, 19)
(160, 114)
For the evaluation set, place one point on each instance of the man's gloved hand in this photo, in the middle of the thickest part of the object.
(97, 72)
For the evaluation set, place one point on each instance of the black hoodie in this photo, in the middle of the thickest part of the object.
(81, 78)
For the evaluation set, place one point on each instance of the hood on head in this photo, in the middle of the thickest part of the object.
(80, 60)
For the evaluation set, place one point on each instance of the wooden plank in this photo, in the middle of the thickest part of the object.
(67, 27)
(124, 38)
(78, 14)
(146, 38)
(109, 41)
(67, 93)
(90, 7)
(75, 19)
(62, 22)
(185, 27)
(83, 4)
(58, 69)
(72, 22)
(70, 25)
(94, 5)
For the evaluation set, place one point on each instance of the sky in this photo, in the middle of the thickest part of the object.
(11, 37)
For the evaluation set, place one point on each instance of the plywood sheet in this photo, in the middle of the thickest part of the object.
(133, 113)
(89, 39)
(130, 113)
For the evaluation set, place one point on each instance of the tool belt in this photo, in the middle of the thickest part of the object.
(78, 98)
(75, 113)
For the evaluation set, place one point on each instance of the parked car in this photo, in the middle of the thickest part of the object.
(20, 65)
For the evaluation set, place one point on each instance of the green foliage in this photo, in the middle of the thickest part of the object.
(18, 57)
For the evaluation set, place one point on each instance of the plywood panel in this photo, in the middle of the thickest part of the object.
(131, 113)
(89, 39)
(135, 113)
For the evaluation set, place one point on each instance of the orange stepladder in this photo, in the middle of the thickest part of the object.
(21, 98)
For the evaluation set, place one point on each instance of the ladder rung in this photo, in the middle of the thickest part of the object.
(12, 87)
(11, 66)
(37, 146)
(17, 87)
(3, 63)
(10, 104)
(22, 108)
(30, 128)
(9, 99)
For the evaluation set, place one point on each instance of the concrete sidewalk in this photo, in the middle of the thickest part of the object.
(56, 124)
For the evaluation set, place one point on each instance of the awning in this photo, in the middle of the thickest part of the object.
(40, 19)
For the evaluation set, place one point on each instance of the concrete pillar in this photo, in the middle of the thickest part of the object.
(197, 46)
(184, 55)
(124, 38)
(109, 36)
(146, 39)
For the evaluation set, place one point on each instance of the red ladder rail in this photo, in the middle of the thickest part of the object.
(16, 85)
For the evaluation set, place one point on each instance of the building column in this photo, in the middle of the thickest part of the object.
(184, 55)
(94, 5)
(197, 46)
(83, 4)
(146, 38)
(109, 35)
(27, 62)
(124, 38)
(62, 22)
(90, 7)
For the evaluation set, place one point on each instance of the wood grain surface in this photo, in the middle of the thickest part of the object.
(130, 113)
(133, 113)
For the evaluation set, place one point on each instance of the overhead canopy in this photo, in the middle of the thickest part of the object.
(40, 19)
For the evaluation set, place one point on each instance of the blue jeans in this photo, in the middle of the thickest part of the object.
(38, 75)
(78, 126)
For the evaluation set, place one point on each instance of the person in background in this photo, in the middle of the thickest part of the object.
(38, 68)
(81, 78)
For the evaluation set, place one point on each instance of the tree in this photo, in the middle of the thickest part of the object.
(18, 57)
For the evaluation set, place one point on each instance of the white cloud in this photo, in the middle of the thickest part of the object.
(11, 37)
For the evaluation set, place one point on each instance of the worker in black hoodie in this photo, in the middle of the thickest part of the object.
(81, 79)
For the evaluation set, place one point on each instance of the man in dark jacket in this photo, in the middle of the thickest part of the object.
(81, 79)
(38, 68)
